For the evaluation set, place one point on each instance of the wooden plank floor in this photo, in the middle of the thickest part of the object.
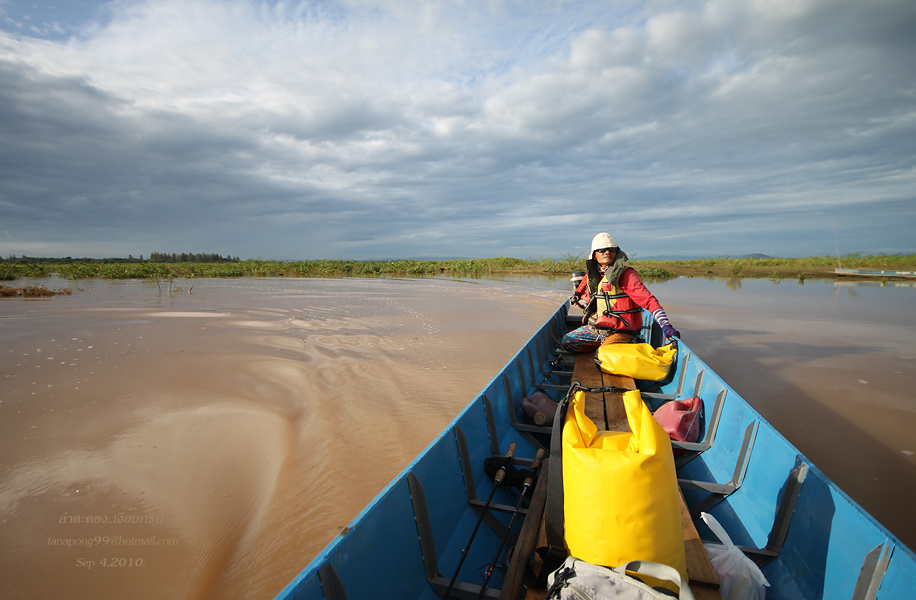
(604, 409)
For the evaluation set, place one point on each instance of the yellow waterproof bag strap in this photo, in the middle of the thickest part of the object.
(639, 361)
(621, 499)
(553, 511)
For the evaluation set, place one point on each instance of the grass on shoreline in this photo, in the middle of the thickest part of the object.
(31, 291)
(779, 268)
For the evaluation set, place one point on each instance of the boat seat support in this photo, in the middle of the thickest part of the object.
(782, 519)
(476, 503)
(435, 578)
(559, 370)
(556, 366)
(331, 585)
(720, 491)
(872, 572)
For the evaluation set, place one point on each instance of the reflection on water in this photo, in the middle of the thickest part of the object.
(855, 284)
(215, 441)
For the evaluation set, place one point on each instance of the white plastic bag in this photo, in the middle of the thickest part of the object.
(739, 577)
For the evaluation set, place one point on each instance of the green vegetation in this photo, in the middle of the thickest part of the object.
(31, 291)
(276, 268)
(811, 267)
(157, 257)
(777, 268)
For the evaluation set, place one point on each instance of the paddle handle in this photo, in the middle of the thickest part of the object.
(501, 473)
(534, 467)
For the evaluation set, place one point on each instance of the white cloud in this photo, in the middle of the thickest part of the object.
(486, 125)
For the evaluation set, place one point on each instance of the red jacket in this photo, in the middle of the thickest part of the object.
(633, 294)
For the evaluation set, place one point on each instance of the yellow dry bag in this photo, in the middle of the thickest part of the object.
(621, 500)
(639, 361)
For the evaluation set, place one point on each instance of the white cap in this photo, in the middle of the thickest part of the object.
(602, 240)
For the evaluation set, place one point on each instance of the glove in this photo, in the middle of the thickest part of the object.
(670, 332)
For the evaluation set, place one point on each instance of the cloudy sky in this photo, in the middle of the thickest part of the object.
(468, 128)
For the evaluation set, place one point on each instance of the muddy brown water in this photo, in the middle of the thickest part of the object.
(208, 442)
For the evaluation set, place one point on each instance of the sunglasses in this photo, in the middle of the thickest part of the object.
(603, 250)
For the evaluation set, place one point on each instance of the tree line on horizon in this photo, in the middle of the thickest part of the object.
(155, 257)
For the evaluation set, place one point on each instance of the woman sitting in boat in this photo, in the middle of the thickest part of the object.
(612, 295)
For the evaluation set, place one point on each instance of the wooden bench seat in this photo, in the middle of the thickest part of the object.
(606, 410)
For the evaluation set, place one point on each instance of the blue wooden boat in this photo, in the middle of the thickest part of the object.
(875, 273)
(811, 540)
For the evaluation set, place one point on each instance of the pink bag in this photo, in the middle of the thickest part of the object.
(539, 408)
(681, 419)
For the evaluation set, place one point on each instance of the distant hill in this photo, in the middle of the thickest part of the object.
(682, 257)
(663, 257)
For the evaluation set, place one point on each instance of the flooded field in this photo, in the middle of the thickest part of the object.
(208, 441)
